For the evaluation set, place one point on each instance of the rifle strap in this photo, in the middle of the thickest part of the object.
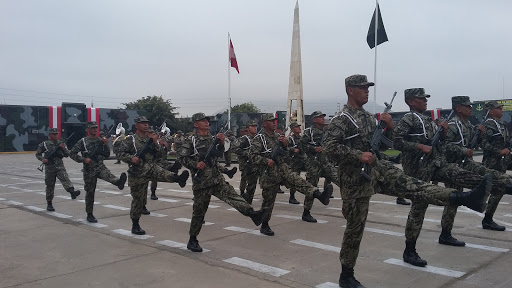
(264, 142)
(249, 140)
(462, 141)
(85, 146)
(422, 123)
(45, 147)
(500, 129)
(346, 114)
(194, 146)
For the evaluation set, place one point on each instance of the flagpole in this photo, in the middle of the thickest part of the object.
(229, 82)
(375, 64)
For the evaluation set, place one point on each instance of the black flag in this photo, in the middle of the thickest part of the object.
(381, 31)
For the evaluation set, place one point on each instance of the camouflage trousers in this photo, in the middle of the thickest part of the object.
(224, 192)
(391, 181)
(50, 177)
(139, 187)
(242, 164)
(499, 181)
(253, 174)
(91, 179)
(227, 157)
(283, 175)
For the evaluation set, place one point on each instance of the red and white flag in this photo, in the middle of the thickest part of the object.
(232, 56)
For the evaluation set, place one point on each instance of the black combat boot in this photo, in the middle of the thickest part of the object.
(118, 161)
(193, 244)
(446, 238)
(292, 198)
(230, 172)
(279, 191)
(247, 198)
(476, 199)
(175, 167)
(257, 216)
(347, 279)
(153, 195)
(402, 201)
(74, 193)
(145, 211)
(265, 229)
(306, 216)
(325, 196)
(91, 218)
(411, 256)
(488, 223)
(122, 181)
(136, 228)
(50, 206)
(181, 179)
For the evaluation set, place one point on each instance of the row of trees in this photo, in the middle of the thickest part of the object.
(160, 110)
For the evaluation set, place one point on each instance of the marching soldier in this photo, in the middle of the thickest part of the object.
(116, 144)
(265, 153)
(425, 162)
(347, 142)
(297, 160)
(241, 161)
(54, 150)
(250, 172)
(93, 150)
(458, 138)
(209, 180)
(141, 151)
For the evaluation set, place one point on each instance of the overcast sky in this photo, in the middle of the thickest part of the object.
(111, 52)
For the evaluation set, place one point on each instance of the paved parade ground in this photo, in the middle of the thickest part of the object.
(60, 249)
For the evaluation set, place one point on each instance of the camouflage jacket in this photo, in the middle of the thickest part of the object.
(296, 159)
(231, 139)
(347, 137)
(47, 147)
(86, 146)
(495, 139)
(457, 138)
(130, 146)
(415, 128)
(118, 143)
(178, 141)
(312, 138)
(193, 151)
(241, 146)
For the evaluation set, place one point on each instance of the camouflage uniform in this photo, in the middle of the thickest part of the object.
(54, 168)
(347, 136)
(457, 139)
(495, 139)
(250, 173)
(116, 146)
(96, 169)
(208, 181)
(296, 161)
(227, 154)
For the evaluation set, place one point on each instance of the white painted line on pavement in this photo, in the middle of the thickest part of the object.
(179, 191)
(10, 202)
(167, 200)
(507, 215)
(154, 214)
(383, 202)
(41, 193)
(425, 219)
(83, 201)
(209, 206)
(34, 208)
(130, 195)
(384, 232)
(333, 208)
(188, 220)
(22, 189)
(63, 197)
(316, 245)
(59, 215)
(97, 225)
(467, 210)
(244, 230)
(484, 247)
(286, 203)
(428, 268)
(179, 245)
(231, 209)
(504, 203)
(298, 218)
(116, 207)
(2, 199)
(110, 192)
(129, 233)
(327, 285)
(274, 271)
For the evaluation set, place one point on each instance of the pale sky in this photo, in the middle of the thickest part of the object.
(115, 51)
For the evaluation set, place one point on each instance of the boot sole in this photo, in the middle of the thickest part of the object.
(452, 244)
(493, 229)
(416, 264)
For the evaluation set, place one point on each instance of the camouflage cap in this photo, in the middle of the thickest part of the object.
(415, 92)
(294, 124)
(92, 124)
(460, 100)
(251, 122)
(199, 116)
(357, 80)
(141, 119)
(179, 132)
(317, 114)
(492, 104)
(268, 117)
(243, 127)
(53, 131)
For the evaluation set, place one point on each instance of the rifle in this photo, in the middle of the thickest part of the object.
(143, 150)
(277, 150)
(50, 155)
(378, 138)
(434, 142)
(207, 156)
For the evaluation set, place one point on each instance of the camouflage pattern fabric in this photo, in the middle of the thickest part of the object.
(96, 169)
(140, 174)
(279, 174)
(296, 161)
(227, 154)
(347, 137)
(495, 139)
(54, 168)
(249, 173)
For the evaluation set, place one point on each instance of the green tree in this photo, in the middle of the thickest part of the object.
(158, 109)
(246, 107)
